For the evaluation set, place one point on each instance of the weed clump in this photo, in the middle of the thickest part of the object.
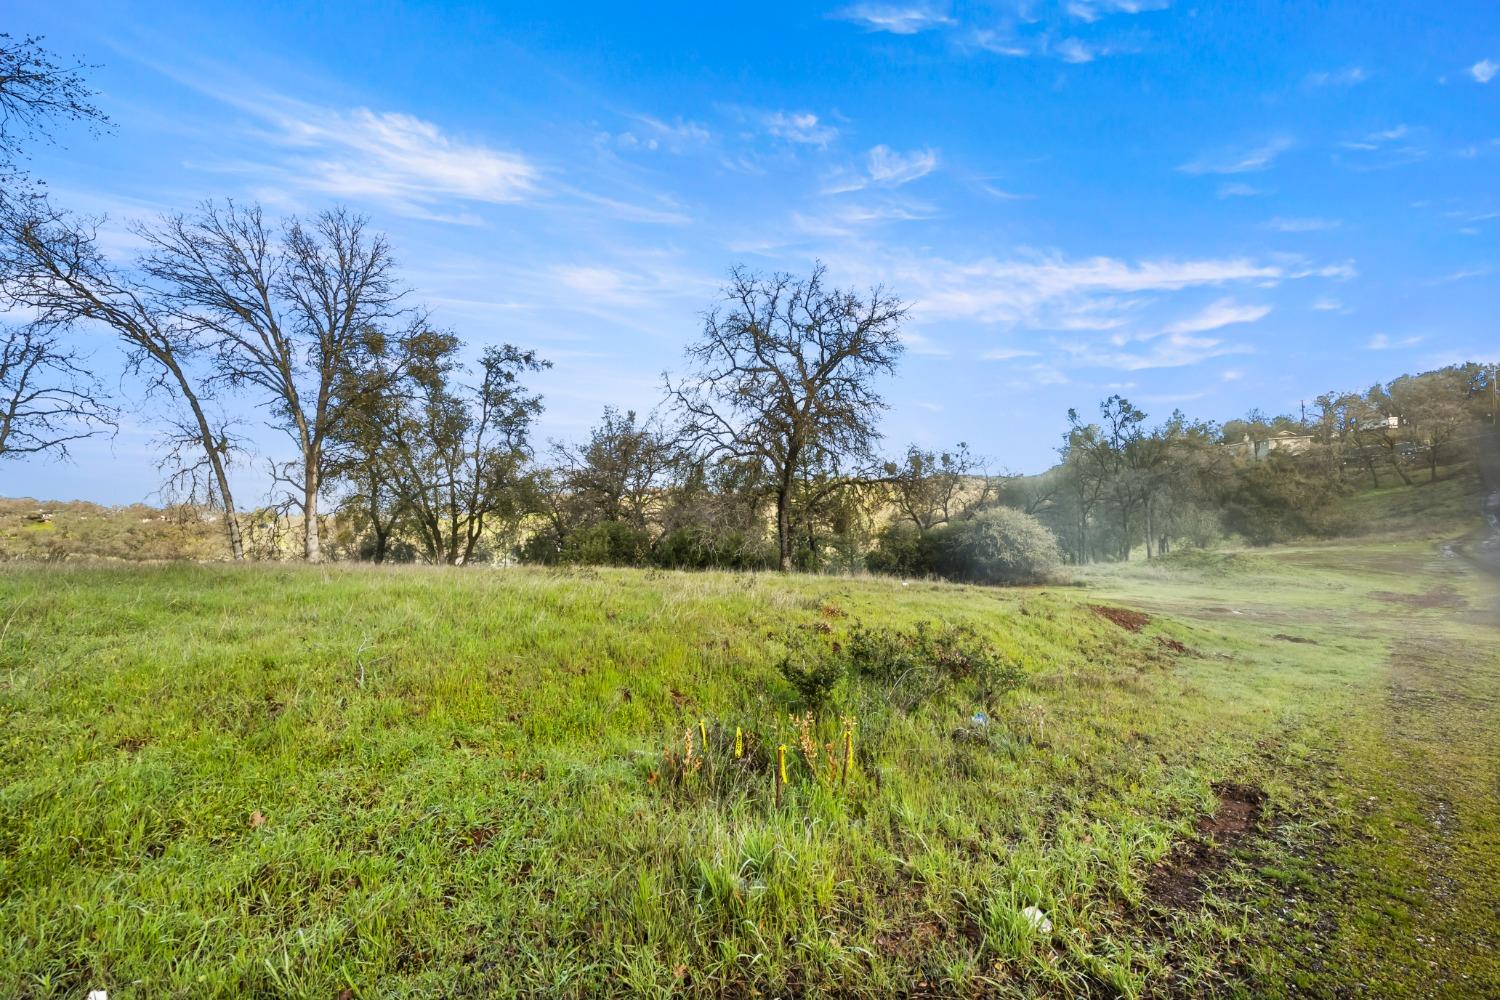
(914, 665)
(710, 763)
(812, 672)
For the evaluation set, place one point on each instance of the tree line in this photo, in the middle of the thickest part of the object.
(1122, 485)
(764, 452)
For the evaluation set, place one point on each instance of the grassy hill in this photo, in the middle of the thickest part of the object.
(1250, 773)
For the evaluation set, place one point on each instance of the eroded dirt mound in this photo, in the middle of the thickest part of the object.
(1131, 621)
(1179, 881)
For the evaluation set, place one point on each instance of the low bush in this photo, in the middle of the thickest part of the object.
(998, 545)
(703, 548)
(814, 673)
(609, 543)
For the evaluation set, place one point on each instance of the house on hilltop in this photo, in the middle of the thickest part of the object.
(1290, 442)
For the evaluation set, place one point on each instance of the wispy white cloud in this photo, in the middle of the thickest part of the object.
(799, 126)
(849, 218)
(1177, 350)
(1325, 303)
(1385, 148)
(1462, 274)
(1069, 49)
(1024, 29)
(1049, 291)
(675, 136)
(1074, 50)
(890, 167)
(409, 164)
(1106, 312)
(884, 167)
(1239, 189)
(896, 18)
(1382, 342)
(1004, 195)
(1484, 70)
(1092, 10)
(606, 286)
(1240, 162)
(1308, 224)
(1347, 77)
(1008, 354)
(1374, 140)
(919, 343)
(1224, 312)
(1002, 43)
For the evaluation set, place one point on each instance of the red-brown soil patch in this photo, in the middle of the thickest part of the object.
(1131, 621)
(1179, 882)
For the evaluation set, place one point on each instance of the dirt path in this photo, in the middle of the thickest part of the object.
(1432, 909)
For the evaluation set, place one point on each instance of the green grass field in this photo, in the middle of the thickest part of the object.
(357, 782)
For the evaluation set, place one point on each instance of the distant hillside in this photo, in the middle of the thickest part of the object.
(53, 531)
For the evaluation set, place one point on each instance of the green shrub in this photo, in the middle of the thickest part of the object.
(699, 547)
(1280, 499)
(813, 672)
(999, 545)
(914, 664)
(898, 551)
(609, 543)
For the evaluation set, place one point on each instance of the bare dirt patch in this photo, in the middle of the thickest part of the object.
(1130, 621)
(1441, 596)
(911, 941)
(1179, 882)
(1294, 638)
(1171, 645)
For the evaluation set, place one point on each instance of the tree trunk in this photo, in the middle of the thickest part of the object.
(1396, 464)
(311, 549)
(215, 460)
(784, 530)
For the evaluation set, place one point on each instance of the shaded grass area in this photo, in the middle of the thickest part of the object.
(1377, 873)
(1416, 510)
(299, 781)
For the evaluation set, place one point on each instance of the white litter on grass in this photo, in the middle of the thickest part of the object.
(98, 995)
(1038, 919)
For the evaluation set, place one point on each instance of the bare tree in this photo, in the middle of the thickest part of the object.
(783, 376)
(286, 308)
(37, 95)
(56, 268)
(48, 400)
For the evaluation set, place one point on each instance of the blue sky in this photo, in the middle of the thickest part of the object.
(1210, 206)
